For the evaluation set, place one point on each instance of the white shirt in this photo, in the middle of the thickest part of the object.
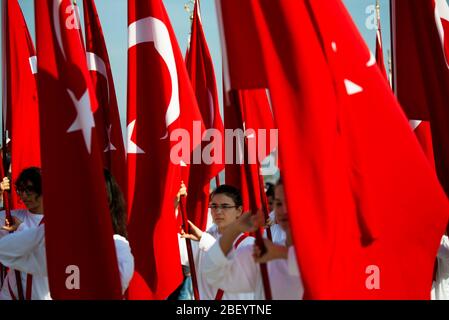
(15, 249)
(277, 234)
(241, 274)
(199, 249)
(25, 251)
(440, 288)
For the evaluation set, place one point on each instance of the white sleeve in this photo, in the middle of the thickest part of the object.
(207, 241)
(293, 269)
(25, 251)
(125, 261)
(443, 251)
(272, 216)
(183, 251)
(236, 275)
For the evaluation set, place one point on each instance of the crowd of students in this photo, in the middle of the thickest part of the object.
(226, 256)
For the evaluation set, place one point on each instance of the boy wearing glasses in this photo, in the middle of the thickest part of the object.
(226, 207)
(241, 272)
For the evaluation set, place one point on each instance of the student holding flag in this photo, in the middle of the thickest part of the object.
(29, 188)
(226, 207)
(25, 250)
(240, 272)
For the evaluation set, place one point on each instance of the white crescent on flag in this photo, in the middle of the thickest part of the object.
(95, 63)
(57, 25)
(154, 30)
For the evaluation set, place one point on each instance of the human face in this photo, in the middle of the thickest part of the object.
(280, 208)
(30, 198)
(222, 216)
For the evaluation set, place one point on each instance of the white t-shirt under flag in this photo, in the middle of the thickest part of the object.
(24, 250)
(14, 249)
(240, 273)
(440, 288)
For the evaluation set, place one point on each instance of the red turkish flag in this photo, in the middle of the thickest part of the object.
(360, 204)
(250, 112)
(421, 37)
(21, 109)
(160, 100)
(78, 227)
(107, 117)
(201, 71)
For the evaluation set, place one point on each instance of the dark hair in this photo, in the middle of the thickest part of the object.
(270, 189)
(33, 175)
(116, 205)
(230, 192)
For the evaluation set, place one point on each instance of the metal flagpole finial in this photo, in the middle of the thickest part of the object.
(378, 10)
(390, 66)
(189, 7)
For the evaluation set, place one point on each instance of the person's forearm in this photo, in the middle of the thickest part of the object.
(280, 252)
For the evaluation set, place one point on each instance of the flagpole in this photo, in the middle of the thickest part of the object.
(390, 69)
(263, 199)
(186, 228)
(253, 204)
(217, 180)
(7, 194)
(393, 46)
(259, 239)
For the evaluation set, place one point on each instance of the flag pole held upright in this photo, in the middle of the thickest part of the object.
(186, 228)
(5, 40)
(253, 205)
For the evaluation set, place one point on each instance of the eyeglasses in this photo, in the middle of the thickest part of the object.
(28, 190)
(224, 207)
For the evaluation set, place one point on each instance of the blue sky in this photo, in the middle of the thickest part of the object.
(113, 16)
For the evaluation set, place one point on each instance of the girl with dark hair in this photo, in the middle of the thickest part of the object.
(24, 250)
(226, 207)
(116, 203)
(29, 189)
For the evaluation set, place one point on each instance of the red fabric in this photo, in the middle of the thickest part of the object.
(107, 117)
(22, 110)
(156, 71)
(422, 72)
(356, 198)
(201, 71)
(251, 110)
(379, 52)
(78, 227)
(235, 172)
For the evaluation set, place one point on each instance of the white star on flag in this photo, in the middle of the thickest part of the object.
(85, 119)
(110, 146)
